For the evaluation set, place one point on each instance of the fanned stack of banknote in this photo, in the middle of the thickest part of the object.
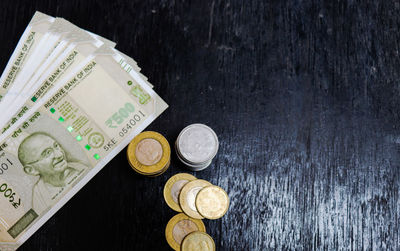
(69, 103)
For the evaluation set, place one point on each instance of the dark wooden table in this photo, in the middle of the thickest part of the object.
(304, 97)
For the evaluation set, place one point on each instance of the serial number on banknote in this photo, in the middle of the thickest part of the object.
(131, 123)
(4, 166)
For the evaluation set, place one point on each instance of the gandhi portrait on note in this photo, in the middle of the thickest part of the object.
(42, 156)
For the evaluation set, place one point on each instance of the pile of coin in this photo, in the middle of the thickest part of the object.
(197, 199)
(196, 146)
(149, 154)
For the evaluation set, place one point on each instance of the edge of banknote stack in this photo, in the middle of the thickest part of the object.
(70, 102)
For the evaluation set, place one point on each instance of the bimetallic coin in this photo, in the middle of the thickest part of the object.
(159, 172)
(149, 153)
(197, 143)
(173, 188)
(162, 171)
(179, 227)
(187, 197)
(212, 202)
(198, 241)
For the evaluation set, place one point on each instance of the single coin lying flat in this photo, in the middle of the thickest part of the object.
(212, 202)
(198, 241)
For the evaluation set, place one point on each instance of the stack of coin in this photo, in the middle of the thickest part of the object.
(198, 199)
(196, 146)
(149, 154)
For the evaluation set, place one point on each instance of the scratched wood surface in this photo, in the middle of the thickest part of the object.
(304, 96)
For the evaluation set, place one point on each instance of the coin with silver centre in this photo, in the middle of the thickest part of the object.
(173, 187)
(179, 227)
(149, 152)
(187, 197)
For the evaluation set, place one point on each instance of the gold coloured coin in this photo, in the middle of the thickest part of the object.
(149, 153)
(212, 202)
(162, 171)
(198, 241)
(179, 226)
(151, 174)
(173, 188)
(187, 197)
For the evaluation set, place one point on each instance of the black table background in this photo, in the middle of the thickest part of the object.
(304, 96)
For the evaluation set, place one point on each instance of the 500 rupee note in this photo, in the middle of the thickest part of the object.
(81, 46)
(29, 41)
(65, 139)
(71, 57)
(53, 42)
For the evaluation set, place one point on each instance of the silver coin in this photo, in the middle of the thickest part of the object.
(187, 161)
(193, 167)
(197, 143)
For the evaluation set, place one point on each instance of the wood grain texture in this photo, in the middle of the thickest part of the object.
(304, 96)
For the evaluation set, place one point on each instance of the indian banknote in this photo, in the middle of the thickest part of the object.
(28, 42)
(68, 52)
(71, 57)
(66, 137)
(59, 35)
(80, 45)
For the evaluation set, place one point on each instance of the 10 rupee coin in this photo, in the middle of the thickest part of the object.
(187, 197)
(173, 187)
(179, 227)
(149, 153)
